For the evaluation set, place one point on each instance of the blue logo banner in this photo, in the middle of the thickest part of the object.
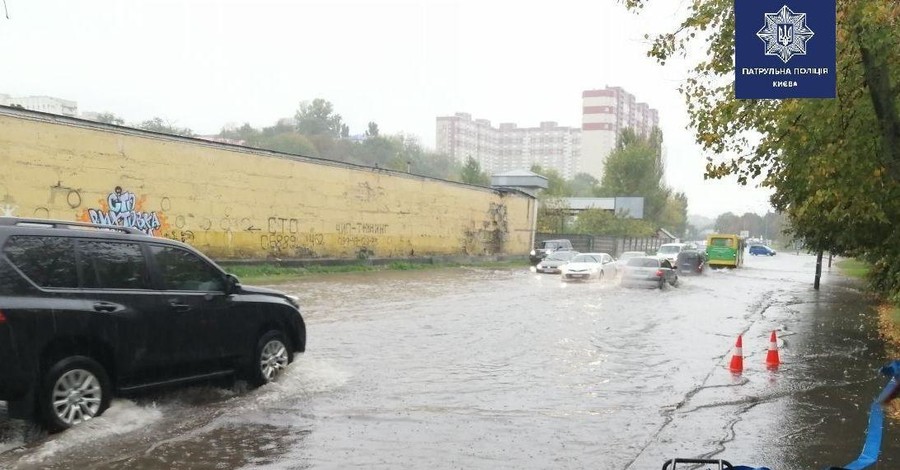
(784, 49)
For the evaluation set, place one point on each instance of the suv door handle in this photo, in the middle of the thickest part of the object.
(105, 307)
(178, 306)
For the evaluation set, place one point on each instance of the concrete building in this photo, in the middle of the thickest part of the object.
(605, 113)
(44, 104)
(509, 147)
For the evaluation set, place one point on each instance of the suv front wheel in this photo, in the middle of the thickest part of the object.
(74, 390)
(270, 358)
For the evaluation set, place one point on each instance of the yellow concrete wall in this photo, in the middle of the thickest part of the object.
(235, 203)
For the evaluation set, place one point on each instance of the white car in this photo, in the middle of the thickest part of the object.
(586, 266)
(669, 251)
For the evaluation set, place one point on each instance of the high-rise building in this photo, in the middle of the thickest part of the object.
(605, 113)
(509, 147)
(45, 104)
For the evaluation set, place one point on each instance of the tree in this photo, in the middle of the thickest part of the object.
(157, 124)
(584, 185)
(636, 169)
(319, 118)
(603, 222)
(557, 186)
(471, 173)
(834, 164)
(292, 143)
(110, 118)
(246, 134)
(553, 213)
(372, 131)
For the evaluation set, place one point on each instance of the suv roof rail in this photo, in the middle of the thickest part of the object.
(64, 224)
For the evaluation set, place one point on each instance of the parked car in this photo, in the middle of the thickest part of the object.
(669, 251)
(547, 247)
(551, 264)
(88, 312)
(649, 271)
(588, 266)
(761, 250)
(691, 262)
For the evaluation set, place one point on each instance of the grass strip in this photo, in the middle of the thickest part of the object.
(271, 273)
(853, 268)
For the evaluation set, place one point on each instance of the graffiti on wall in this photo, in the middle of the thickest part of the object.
(491, 237)
(124, 209)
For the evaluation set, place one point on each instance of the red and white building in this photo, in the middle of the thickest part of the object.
(605, 113)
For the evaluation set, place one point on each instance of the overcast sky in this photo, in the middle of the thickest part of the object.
(203, 64)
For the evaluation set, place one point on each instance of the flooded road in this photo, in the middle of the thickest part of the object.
(486, 368)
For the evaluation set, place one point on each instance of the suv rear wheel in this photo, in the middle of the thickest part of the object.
(270, 358)
(74, 390)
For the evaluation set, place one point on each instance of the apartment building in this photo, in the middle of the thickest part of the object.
(45, 104)
(605, 113)
(509, 147)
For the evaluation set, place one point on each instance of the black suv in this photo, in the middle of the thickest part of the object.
(88, 312)
(547, 247)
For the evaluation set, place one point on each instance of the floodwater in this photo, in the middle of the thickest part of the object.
(487, 368)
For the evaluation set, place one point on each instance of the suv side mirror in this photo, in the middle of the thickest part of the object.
(232, 284)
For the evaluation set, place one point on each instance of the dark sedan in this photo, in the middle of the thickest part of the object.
(649, 271)
(691, 262)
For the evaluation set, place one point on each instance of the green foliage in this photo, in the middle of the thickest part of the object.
(295, 144)
(471, 173)
(318, 118)
(853, 267)
(110, 118)
(317, 131)
(557, 186)
(584, 185)
(553, 213)
(834, 164)
(157, 124)
(636, 168)
(601, 222)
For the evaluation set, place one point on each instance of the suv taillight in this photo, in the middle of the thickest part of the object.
(659, 273)
(2, 317)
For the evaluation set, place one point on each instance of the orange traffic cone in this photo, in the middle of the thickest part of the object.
(737, 359)
(772, 360)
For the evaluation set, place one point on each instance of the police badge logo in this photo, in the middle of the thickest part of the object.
(785, 34)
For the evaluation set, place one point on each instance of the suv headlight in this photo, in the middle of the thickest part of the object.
(532, 253)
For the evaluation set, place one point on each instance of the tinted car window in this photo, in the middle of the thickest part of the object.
(183, 270)
(47, 261)
(112, 265)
